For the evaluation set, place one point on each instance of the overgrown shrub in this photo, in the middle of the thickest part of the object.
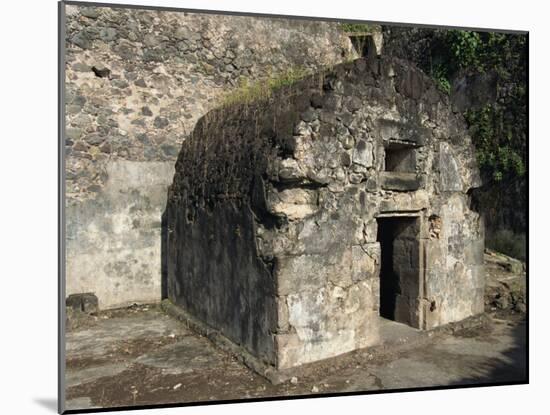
(508, 243)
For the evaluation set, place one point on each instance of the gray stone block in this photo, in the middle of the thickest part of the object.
(85, 302)
(401, 182)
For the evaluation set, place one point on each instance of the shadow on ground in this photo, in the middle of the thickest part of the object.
(510, 366)
(142, 356)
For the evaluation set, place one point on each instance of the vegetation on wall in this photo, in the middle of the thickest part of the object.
(499, 155)
(261, 89)
(498, 128)
(356, 27)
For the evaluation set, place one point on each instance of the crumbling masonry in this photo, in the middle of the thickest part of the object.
(296, 223)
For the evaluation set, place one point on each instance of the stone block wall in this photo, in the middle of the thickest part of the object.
(136, 83)
(306, 170)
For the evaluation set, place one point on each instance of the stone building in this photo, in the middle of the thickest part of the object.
(297, 223)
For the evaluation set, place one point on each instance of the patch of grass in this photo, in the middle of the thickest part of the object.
(287, 78)
(356, 27)
(262, 89)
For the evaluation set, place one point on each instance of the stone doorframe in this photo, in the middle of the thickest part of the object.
(416, 307)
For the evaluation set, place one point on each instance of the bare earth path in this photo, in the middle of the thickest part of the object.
(141, 356)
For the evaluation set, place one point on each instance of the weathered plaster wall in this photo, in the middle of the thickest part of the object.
(308, 166)
(124, 130)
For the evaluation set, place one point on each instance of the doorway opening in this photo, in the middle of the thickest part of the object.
(400, 269)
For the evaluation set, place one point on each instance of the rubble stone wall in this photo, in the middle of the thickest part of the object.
(306, 171)
(136, 83)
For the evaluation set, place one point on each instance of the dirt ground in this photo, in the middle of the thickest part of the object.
(141, 356)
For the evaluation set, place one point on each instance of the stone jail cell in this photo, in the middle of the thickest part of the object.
(295, 223)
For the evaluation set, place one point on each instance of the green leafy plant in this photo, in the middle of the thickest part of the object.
(466, 48)
(499, 157)
(440, 76)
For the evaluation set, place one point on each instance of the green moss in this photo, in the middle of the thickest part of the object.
(262, 89)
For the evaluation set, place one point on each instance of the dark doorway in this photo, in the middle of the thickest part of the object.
(400, 270)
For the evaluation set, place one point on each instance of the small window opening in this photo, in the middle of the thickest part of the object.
(360, 45)
(400, 159)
